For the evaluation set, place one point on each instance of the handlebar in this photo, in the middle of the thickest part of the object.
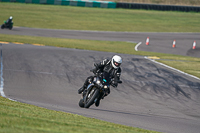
(98, 73)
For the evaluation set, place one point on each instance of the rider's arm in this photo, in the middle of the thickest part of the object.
(117, 77)
(101, 65)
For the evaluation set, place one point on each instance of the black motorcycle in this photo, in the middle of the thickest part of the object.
(7, 25)
(96, 89)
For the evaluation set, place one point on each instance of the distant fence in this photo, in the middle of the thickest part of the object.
(83, 3)
(158, 7)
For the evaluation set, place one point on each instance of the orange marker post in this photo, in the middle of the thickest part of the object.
(147, 41)
(174, 44)
(194, 45)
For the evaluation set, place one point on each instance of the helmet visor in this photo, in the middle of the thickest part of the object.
(116, 63)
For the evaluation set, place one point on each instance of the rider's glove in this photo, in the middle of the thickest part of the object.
(96, 71)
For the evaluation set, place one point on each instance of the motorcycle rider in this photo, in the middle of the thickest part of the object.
(111, 67)
(9, 21)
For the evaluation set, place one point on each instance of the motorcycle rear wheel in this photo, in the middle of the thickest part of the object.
(90, 97)
(2, 26)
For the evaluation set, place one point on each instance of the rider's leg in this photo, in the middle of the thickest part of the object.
(97, 102)
(87, 82)
(107, 92)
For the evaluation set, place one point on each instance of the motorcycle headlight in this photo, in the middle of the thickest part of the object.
(98, 82)
(105, 87)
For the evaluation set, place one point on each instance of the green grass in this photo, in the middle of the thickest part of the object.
(18, 117)
(191, 66)
(108, 46)
(83, 18)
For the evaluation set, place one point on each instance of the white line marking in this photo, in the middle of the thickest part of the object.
(2, 83)
(172, 68)
(136, 47)
(2, 80)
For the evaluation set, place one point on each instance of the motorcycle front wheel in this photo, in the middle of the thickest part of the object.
(90, 97)
(81, 103)
(10, 28)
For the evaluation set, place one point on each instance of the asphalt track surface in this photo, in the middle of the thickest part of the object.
(151, 97)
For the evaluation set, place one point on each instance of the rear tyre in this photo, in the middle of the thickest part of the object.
(91, 96)
(2, 26)
(81, 103)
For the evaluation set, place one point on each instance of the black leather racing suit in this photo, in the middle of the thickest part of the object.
(106, 66)
(9, 21)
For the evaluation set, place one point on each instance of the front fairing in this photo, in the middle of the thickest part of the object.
(106, 78)
(102, 80)
(5, 22)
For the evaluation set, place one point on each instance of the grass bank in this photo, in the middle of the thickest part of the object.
(83, 18)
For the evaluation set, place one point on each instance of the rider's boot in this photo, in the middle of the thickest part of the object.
(97, 101)
(106, 93)
(82, 89)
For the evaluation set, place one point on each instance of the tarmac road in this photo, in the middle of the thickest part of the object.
(152, 97)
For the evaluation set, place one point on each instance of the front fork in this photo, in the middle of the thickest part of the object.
(102, 93)
(86, 90)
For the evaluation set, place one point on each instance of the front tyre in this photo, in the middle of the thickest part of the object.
(81, 103)
(10, 28)
(91, 96)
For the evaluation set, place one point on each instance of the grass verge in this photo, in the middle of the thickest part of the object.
(23, 118)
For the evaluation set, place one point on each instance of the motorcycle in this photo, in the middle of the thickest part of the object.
(96, 89)
(7, 25)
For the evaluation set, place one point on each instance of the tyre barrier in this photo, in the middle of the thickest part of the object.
(158, 7)
(82, 3)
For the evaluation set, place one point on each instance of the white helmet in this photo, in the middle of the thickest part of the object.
(11, 17)
(116, 61)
